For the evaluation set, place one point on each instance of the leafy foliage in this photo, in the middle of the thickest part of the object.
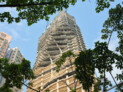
(85, 68)
(100, 58)
(104, 58)
(47, 90)
(102, 4)
(35, 10)
(15, 74)
(121, 86)
(73, 90)
(60, 62)
(30, 84)
(97, 85)
(114, 24)
(5, 89)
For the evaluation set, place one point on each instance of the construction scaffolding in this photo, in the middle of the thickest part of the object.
(62, 35)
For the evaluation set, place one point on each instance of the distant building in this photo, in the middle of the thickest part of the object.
(14, 56)
(4, 43)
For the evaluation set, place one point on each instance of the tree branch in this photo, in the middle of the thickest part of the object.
(110, 72)
(114, 87)
(109, 38)
(115, 81)
(23, 5)
(104, 84)
(30, 87)
(67, 84)
(76, 83)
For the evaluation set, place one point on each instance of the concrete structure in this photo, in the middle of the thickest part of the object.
(14, 56)
(4, 43)
(62, 35)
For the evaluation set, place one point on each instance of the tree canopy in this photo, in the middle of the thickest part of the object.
(15, 74)
(36, 10)
(85, 69)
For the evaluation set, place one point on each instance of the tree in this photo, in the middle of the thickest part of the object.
(35, 10)
(104, 58)
(15, 74)
(120, 85)
(4, 89)
(85, 69)
(114, 24)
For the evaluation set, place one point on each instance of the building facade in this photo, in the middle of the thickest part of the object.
(4, 43)
(62, 35)
(14, 55)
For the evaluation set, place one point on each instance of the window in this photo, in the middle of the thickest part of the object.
(3, 45)
(2, 48)
(5, 42)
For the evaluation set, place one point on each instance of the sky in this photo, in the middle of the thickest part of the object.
(26, 37)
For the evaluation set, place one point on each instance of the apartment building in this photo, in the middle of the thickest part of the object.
(4, 43)
(14, 55)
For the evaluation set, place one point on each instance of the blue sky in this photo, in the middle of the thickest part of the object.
(26, 37)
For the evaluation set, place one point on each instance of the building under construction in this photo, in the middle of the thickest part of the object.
(61, 35)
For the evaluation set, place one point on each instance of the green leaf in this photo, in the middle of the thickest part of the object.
(85, 68)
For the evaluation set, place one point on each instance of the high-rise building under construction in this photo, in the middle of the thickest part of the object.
(61, 35)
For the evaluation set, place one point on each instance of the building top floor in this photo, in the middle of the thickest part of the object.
(5, 37)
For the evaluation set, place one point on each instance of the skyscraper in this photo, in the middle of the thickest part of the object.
(62, 35)
(4, 43)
